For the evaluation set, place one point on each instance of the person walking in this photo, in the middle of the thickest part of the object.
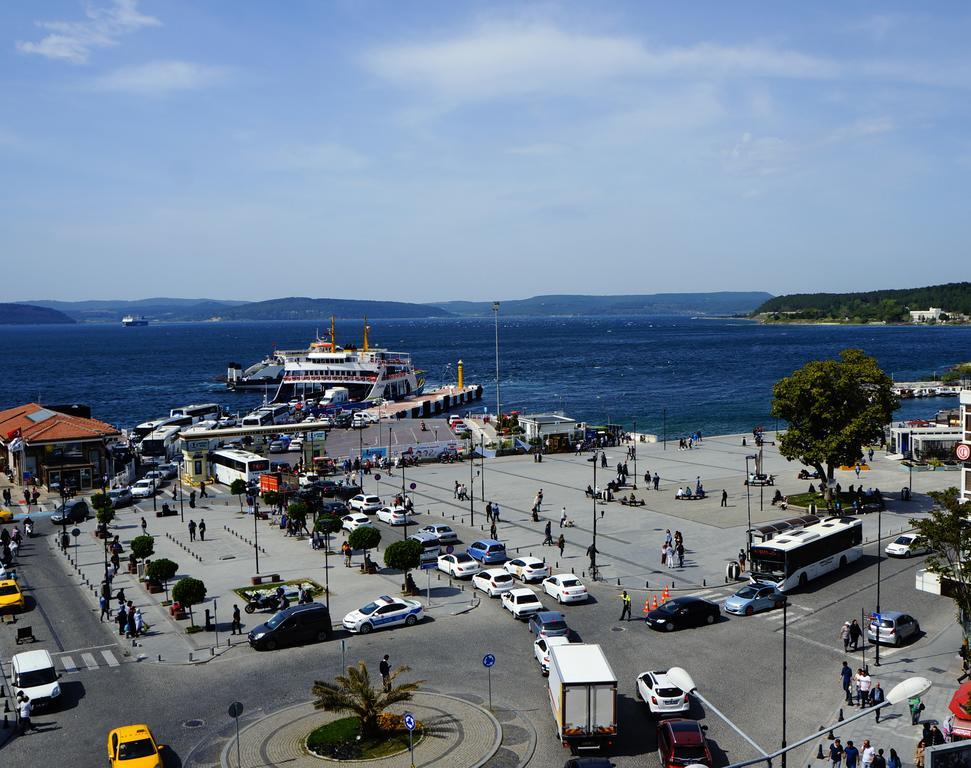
(455, 491)
(657, 481)
(24, 710)
(493, 532)
(846, 677)
(741, 561)
(202, 530)
(625, 613)
(144, 527)
(562, 516)
(346, 551)
(680, 552)
(894, 760)
(385, 667)
(877, 698)
(192, 530)
(105, 607)
(237, 627)
(592, 554)
(488, 511)
(879, 761)
(548, 539)
(495, 512)
(867, 754)
(724, 498)
(202, 490)
(122, 619)
(919, 754)
(561, 543)
(836, 754)
(192, 499)
(844, 635)
(863, 685)
(850, 755)
(855, 634)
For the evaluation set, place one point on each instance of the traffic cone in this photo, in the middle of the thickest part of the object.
(665, 594)
(647, 605)
(655, 603)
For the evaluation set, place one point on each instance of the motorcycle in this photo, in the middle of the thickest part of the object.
(262, 603)
(29, 528)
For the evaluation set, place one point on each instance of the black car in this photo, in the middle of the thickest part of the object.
(309, 623)
(333, 508)
(588, 762)
(333, 490)
(71, 511)
(684, 612)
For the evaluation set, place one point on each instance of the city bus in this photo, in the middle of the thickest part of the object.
(258, 418)
(793, 558)
(159, 446)
(145, 428)
(204, 412)
(231, 464)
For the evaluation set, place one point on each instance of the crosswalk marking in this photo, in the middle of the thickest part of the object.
(110, 658)
(68, 663)
(89, 661)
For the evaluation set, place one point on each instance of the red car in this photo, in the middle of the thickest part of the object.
(682, 742)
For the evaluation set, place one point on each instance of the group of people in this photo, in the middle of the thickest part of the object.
(673, 547)
(461, 491)
(131, 622)
(865, 756)
(685, 493)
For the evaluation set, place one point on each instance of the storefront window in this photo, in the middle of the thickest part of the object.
(86, 477)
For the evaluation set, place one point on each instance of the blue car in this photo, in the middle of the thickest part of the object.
(753, 598)
(488, 551)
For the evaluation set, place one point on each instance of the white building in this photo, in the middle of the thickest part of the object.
(925, 315)
(966, 424)
(550, 428)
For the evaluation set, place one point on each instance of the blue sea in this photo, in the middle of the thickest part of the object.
(685, 374)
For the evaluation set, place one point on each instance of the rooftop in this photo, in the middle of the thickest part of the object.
(38, 424)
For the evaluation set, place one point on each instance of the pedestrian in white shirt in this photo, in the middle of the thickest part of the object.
(867, 754)
(864, 683)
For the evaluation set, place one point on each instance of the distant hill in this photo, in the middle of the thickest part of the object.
(164, 309)
(28, 314)
(718, 303)
(882, 306)
(303, 308)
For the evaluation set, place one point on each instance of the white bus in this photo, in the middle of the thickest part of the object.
(280, 412)
(794, 557)
(231, 464)
(204, 412)
(258, 418)
(142, 430)
(159, 446)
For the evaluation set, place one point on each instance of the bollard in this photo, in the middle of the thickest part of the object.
(840, 718)
(212, 652)
(190, 657)
(704, 583)
(573, 571)
(646, 585)
(618, 582)
(6, 706)
(819, 752)
(830, 735)
(583, 574)
(160, 657)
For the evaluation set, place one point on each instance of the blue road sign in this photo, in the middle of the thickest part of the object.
(413, 486)
(428, 566)
(377, 477)
(409, 721)
(488, 660)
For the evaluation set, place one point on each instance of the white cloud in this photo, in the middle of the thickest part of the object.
(760, 156)
(73, 40)
(161, 77)
(324, 156)
(499, 61)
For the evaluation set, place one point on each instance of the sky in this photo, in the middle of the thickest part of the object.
(480, 150)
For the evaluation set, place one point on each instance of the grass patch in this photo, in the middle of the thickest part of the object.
(192, 629)
(339, 740)
(846, 498)
(269, 588)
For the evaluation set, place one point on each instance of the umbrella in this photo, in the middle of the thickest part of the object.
(961, 699)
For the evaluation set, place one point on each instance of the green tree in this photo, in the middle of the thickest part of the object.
(161, 570)
(104, 514)
(238, 488)
(189, 592)
(366, 537)
(271, 498)
(403, 555)
(948, 535)
(298, 511)
(833, 408)
(327, 524)
(354, 693)
(142, 547)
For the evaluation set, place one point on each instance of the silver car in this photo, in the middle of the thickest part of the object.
(894, 628)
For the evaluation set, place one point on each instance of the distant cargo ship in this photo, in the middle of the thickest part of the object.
(130, 320)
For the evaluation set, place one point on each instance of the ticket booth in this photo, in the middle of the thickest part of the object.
(195, 461)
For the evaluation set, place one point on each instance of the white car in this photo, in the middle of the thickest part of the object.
(296, 444)
(144, 489)
(169, 471)
(364, 503)
(493, 581)
(459, 565)
(907, 545)
(528, 569)
(566, 588)
(661, 695)
(158, 476)
(354, 521)
(444, 533)
(394, 516)
(383, 612)
(541, 649)
(521, 602)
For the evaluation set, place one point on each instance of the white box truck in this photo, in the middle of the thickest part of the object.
(583, 696)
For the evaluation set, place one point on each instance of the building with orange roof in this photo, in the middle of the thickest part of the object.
(60, 447)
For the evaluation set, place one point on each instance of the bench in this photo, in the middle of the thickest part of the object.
(692, 497)
(267, 578)
(635, 503)
(24, 634)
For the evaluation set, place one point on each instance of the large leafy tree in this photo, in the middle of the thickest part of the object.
(354, 693)
(833, 409)
(948, 535)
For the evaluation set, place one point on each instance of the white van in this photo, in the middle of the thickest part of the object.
(35, 675)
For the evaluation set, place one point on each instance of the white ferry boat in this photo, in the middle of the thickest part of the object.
(133, 320)
(368, 373)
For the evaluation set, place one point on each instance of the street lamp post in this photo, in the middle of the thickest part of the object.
(635, 454)
(471, 485)
(665, 431)
(256, 541)
(785, 670)
(181, 491)
(748, 498)
(495, 310)
(876, 660)
(593, 552)
(482, 466)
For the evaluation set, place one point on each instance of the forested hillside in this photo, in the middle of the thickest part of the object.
(886, 306)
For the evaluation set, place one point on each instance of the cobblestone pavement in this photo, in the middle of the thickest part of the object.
(460, 734)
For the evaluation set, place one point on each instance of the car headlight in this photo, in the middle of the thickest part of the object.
(55, 691)
(257, 635)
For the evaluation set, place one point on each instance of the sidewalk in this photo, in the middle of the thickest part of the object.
(939, 662)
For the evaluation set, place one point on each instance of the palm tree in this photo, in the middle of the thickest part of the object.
(353, 692)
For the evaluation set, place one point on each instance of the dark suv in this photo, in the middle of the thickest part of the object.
(682, 742)
(300, 624)
(71, 511)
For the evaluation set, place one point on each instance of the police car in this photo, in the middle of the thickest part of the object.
(383, 612)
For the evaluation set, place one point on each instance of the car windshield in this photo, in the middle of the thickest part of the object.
(903, 540)
(36, 677)
(132, 750)
(554, 626)
(9, 589)
(502, 577)
(747, 593)
(277, 618)
(672, 607)
(370, 608)
(465, 557)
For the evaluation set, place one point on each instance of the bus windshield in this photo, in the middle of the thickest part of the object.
(768, 564)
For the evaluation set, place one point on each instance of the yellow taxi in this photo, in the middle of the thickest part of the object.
(11, 598)
(133, 746)
(6, 516)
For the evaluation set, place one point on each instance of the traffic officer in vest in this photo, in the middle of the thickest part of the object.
(626, 612)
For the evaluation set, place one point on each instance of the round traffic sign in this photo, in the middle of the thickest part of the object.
(413, 486)
(75, 532)
(377, 476)
(488, 660)
(963, 451)
(449, 549)
(236, 709)
(409, 721)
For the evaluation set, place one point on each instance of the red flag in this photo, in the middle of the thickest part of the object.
(14, 434)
